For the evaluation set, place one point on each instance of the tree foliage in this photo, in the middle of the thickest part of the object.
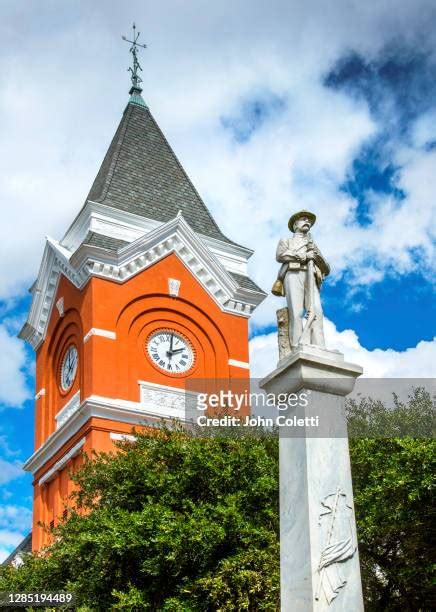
(178, 522)
(173, 522)
(393, 482)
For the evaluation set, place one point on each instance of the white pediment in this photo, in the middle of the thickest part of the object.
(176, 237)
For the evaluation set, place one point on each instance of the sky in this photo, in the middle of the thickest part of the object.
(271, 106)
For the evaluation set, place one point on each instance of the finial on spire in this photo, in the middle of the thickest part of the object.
(136, 79)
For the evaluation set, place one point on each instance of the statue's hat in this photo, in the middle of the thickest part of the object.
(301, 213)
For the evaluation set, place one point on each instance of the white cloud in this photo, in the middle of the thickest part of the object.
(15, 524)
(200, 64)
(13, 388)
(10, 470)
(424, 130)
(414, 362)
(5, 447)
(9, 540)
(17, 518)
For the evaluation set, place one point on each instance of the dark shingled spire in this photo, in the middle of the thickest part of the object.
(141, 174)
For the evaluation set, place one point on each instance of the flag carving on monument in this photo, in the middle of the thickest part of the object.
(340, 544)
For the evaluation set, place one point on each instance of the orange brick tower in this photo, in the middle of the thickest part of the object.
(143, 293)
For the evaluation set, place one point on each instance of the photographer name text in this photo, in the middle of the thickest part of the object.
(258, 421)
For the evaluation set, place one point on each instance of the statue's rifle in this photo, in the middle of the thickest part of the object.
(310, 314)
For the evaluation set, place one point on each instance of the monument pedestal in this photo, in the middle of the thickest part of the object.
(319, 560)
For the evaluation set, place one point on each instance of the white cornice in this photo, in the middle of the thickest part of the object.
(43, 292)
(176, 236)
(62, 462)
(127, 226)
(123, 411)
(232, 256)
(106, 220)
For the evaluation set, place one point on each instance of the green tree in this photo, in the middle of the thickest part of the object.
(178, 522)
(393, 482)
(173, 522)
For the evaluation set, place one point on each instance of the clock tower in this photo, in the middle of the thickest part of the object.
(142, 295)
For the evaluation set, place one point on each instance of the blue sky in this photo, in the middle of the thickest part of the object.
(334, 113)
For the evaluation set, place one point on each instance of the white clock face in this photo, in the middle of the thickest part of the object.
(170, 351)
(69, 367)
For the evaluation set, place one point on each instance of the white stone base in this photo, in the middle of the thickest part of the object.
(316, 498)
(312, 368)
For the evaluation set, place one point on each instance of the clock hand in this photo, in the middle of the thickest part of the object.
(72, 365)
(170, 353)
(178, 351)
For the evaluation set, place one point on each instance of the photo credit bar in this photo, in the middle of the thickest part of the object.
(377, 407)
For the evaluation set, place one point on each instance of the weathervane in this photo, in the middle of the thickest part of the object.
(136, 79)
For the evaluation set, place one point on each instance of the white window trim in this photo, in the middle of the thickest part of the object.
(104, 333)
(40, 393)
(120, 437)
(239, 364)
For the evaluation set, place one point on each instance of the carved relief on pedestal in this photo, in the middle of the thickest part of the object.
(338, 544)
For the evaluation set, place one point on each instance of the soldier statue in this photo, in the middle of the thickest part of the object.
(300, 277)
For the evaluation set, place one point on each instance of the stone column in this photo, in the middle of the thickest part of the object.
(319, 560)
